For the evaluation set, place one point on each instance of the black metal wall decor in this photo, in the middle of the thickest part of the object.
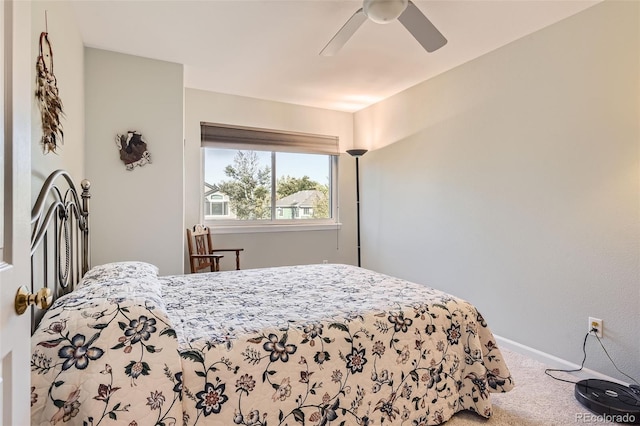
(48, 97)
(133, 149)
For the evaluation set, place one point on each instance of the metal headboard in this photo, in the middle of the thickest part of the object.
(59, 240)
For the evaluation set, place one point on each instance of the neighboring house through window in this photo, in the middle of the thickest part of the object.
(300, 205)
(216, 203)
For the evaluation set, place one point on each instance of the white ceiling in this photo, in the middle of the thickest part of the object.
(268, 49)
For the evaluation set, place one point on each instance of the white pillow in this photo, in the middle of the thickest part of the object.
(114, 271)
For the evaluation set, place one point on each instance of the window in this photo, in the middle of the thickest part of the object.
(264, 186)
(270, 183)
(216, 204)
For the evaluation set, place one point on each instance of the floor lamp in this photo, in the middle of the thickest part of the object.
(357, 153)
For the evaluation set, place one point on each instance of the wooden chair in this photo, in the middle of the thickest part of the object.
(202, 255)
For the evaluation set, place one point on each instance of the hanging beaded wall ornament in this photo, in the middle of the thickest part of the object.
(48, 98)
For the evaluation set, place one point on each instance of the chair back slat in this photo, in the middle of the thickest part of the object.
(202, 254)
(198, 241)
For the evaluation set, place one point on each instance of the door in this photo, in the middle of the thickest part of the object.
(15, 195)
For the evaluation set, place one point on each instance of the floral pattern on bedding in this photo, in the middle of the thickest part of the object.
(328, 345)
(107, 354)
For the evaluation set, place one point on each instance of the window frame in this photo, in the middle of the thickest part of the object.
(224, 226)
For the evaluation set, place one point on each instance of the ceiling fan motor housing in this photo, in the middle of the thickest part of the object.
(384, 11)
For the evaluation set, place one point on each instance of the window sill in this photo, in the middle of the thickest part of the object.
(289, 227)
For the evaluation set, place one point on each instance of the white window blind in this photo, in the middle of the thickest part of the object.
(214, 135)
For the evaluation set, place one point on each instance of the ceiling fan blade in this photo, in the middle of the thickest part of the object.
(344, 34)
(421, 28)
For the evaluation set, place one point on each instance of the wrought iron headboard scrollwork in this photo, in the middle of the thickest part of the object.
(59, 238)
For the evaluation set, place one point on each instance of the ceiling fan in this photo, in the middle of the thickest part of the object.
(383, 12)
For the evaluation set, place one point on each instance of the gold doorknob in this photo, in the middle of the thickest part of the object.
(42, 299)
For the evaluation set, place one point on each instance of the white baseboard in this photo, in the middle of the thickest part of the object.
(553, 361)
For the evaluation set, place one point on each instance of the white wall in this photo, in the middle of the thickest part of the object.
(513, 181)
(272, 248)
(68, 62)
(135, 215)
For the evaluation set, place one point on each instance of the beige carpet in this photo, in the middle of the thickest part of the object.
(537, 399)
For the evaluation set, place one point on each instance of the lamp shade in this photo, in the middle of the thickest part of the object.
(356, 152)
(384, 11)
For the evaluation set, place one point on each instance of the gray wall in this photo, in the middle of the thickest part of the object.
(139, 214)
(283, 247)
(69, 71)
(135, 215)
(513, 181)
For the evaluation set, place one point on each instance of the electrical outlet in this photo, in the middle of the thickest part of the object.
(595, 323)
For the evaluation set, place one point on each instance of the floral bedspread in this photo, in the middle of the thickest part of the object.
(106, 354)
(303, 345)
(328, 345)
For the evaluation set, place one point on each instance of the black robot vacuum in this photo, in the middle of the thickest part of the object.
(613, 401)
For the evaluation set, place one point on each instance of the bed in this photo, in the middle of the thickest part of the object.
(309, 344)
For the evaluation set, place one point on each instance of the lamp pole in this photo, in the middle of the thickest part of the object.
(357, 153)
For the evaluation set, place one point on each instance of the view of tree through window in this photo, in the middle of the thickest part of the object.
(260, 185)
